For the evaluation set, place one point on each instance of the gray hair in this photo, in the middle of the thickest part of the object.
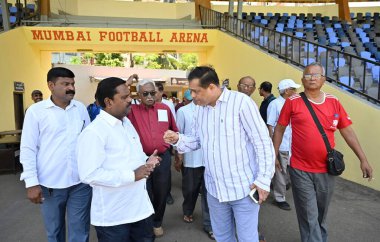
(144, 82)
(317, 64)
(281, 91)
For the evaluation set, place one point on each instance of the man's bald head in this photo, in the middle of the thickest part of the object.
(247, 85)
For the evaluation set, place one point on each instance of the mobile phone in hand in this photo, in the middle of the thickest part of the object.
(254, 194)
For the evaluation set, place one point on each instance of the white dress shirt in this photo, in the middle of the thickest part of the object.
(48, 141)
(170, 105)
(185, 116)
(274, 110)
(236, 146)
(109, 151)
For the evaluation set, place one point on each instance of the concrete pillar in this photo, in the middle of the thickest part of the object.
(5, 13)
(231, 8)
(240, 9)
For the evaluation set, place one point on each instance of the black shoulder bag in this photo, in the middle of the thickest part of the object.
(335, 162)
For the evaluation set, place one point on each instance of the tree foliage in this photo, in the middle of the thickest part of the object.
(170, 61)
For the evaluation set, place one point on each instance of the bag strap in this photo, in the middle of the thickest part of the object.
(315, 118)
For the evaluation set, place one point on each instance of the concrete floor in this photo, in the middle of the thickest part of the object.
(354, 216)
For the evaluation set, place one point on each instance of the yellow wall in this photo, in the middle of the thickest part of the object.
(114, 8)
(24, 64)
(242, 60)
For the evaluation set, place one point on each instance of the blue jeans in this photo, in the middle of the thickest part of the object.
(76, 202)
(132, 232)
(243, 213)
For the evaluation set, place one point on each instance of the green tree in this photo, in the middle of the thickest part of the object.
(109, 59)
(138, 59)
(76, 60)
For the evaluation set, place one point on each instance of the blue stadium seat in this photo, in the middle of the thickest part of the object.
(309, 26)
(280, 29)
(264, 21)
(345, 44)
(339, 62)
(308, 61)
(375, 73)
(347, 81)
(263, 40)
(299, 35)
(366, 26)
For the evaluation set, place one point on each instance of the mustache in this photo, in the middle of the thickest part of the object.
(70, 92)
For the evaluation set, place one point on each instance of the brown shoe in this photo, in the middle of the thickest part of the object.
(158, 232)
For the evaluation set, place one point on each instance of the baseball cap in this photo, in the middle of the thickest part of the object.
(187, 95)
(287, 83)
(36, 92)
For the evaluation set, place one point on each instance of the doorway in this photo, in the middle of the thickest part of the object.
(18, 99)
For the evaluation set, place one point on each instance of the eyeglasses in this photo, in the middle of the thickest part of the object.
(246, 86)
(152, 93)
(310, 76)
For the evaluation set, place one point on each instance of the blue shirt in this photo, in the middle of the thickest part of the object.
(185, 116)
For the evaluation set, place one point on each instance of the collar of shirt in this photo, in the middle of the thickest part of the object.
(223, 97)
(110, 119)
(49, 104)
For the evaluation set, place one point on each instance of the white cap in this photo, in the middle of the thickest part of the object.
(287, 83)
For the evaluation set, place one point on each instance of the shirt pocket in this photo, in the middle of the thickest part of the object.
(332, 122)
(228, 125)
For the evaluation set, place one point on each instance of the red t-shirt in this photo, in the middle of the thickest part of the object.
(308, 149)
(151, 124)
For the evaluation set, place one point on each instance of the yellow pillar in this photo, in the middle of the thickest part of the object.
(204, 3)
(45, 9)
(344, 10)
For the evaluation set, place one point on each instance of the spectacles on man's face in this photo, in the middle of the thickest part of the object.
(310, 76)
(152, 93)
(246, 86)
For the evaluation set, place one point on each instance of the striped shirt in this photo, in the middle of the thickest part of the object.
(237, 149)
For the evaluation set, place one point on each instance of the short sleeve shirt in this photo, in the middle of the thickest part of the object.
(308, 149)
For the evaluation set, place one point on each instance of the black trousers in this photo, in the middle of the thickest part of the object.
(158, 185)
(132, 232)
(192, 179)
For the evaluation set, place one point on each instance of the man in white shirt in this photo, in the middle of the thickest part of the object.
(192, 167)
(112, 161)
(237, 151)
(287, 88)
(49, 136)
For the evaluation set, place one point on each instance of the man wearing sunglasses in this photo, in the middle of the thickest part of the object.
(151, 120)
(312, 185)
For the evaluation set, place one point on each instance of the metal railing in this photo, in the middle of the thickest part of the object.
(349, 71)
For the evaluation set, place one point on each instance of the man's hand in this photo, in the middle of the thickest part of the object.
(131, 78)
(178, 162)
(35, 194)
(263, 195)
(171, 137)
(278, 165)
(143, 172)
(366, 169)
(153, 160)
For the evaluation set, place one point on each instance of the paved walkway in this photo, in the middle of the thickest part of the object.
(354, 216)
